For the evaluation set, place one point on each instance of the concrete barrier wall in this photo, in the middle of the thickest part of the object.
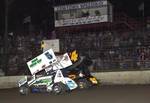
(106, 78)
(9, 81)
(123, 78)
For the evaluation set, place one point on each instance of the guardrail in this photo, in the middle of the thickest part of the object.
(106, 78)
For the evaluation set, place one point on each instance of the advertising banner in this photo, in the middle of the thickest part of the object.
(93, 4)
(79, 21)
(83, 13)
(53, 44)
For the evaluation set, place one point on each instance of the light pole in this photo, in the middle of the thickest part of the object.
(5, 56)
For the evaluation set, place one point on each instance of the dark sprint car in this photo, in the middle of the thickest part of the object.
(79, 71)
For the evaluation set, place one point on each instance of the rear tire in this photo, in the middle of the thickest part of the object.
(83, 83)
(59, 88)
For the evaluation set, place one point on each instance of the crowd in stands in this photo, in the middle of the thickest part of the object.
(22, 48)
(111, 50)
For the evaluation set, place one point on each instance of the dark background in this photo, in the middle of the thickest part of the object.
(41, 11)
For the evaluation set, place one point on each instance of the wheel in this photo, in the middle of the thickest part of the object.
(83, 83)
(23, 90)
(59, 88)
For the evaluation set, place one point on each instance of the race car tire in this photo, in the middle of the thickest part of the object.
(23, 90)
(59, 88)
(83, 83)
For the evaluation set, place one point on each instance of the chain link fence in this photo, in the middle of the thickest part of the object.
(21, 49)
(109, 51)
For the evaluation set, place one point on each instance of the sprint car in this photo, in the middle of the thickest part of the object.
(52, 79)
(53, 83)
(79, 71)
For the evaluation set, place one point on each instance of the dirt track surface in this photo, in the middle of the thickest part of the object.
(104, 94)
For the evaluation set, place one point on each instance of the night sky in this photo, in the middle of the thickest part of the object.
(42, 9)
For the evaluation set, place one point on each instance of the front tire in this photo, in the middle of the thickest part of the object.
(59, 88)
(23, 90)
